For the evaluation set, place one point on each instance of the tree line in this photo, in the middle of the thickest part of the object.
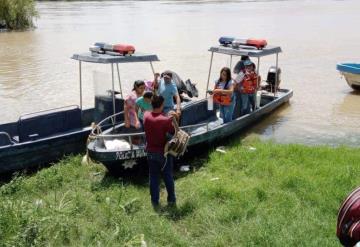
(17, 14)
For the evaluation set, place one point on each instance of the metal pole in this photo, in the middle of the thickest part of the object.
(80, 80)
(152, 68)
(118, 74)
(276, 75)
(257, 70)
(207, 85)
(231, 61)
(113, 86)
(258, 80)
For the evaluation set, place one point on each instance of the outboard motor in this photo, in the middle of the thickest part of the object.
(271, 78)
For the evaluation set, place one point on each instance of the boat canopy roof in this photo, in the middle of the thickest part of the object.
(105, 58)
(246, 51)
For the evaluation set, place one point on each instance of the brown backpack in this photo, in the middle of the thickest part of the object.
(348, 222)
(178, 143)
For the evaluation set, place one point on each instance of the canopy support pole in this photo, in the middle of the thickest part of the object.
(258, 81)
(80, 82)
(258, 70)
(113, 89)
(208, 80)
(231, 57)
(276, 74)
(152, 68)
(118, 74)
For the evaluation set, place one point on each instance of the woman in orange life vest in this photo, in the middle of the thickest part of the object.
(248, 87)
(223, 94)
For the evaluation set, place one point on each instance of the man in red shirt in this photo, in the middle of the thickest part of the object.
(156, 126)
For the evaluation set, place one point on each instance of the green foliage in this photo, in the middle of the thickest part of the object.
(17, 14)
(273, 195)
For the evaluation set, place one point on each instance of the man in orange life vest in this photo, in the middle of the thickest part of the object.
(248, 88)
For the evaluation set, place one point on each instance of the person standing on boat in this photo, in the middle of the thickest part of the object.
(130, 114)
(249, 85)
(240, 66)
(224, 96)
(167, 88)
(157, 126)
(239, 72)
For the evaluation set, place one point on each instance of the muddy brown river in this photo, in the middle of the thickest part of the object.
(36, 71)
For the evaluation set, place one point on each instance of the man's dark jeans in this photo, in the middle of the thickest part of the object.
(158, 167)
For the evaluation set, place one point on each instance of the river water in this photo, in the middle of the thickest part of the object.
(36, 71)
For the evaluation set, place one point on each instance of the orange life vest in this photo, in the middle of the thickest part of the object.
(249, 83)
(222, 98)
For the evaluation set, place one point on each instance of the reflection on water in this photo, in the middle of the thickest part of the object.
(36, 71)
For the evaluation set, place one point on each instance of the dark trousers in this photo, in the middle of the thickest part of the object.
(157, 167)
(237, 108)
(247, 103)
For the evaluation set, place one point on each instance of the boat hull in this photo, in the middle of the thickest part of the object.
(353, 80)
(18, 154)
(43, 151)
(351, 72)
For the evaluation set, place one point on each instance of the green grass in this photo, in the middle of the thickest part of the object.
(276, 195)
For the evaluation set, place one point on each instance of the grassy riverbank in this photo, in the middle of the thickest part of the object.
(276, 195)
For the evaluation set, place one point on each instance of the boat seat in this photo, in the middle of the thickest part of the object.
(196, 113)
(46, 123)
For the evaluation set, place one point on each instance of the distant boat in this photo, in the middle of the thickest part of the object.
(351, 72)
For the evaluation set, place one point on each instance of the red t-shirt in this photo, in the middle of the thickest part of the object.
(156, 125)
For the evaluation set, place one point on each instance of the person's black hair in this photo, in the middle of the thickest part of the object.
(166, 72)
(138, 83)
(157, 101)
(228, 73)
(240, 64)
(148, 95)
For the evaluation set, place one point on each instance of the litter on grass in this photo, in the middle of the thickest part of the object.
(221, 149)
(184, 168)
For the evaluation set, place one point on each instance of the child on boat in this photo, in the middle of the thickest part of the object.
(143, 104)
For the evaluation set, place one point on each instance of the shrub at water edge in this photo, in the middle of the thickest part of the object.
(17, 14)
